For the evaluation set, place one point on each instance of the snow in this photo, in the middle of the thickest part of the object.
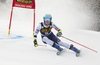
(21, 51)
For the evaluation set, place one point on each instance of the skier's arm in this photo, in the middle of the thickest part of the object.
(55, 27)
(37, 31)
(58, 29)
(35, 35)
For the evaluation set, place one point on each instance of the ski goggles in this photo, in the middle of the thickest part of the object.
(47, 19)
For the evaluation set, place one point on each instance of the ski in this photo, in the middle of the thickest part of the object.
(77, 54)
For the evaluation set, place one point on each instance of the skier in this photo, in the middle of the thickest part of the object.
(49, 38)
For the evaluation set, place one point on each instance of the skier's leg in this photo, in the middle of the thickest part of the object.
(74, 49)
(51, 43)
(68, 46)
(57, 47)
(53, 38)
(47, 41)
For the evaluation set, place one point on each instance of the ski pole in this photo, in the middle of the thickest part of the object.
(79, 44)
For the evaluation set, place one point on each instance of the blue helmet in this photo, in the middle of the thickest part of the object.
(47, 17)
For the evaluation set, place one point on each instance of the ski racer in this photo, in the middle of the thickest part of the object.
(49, 38)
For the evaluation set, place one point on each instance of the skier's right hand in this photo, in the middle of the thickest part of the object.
(35, 43)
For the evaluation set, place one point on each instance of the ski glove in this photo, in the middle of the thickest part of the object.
(35, 43)
(59, 34)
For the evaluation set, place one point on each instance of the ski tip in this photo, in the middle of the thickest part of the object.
(77, 55)
(58, 53)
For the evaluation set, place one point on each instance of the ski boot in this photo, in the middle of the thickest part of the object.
(58, 48)
(75, 50)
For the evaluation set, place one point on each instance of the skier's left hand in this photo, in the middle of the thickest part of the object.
(59, 34)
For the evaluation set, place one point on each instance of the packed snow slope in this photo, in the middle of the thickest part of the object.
(18, 48)
(21, 51)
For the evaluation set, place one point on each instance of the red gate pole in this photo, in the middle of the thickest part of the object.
(34, 25)
(10, 21)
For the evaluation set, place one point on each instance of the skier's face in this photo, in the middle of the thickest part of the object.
(47, 22)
